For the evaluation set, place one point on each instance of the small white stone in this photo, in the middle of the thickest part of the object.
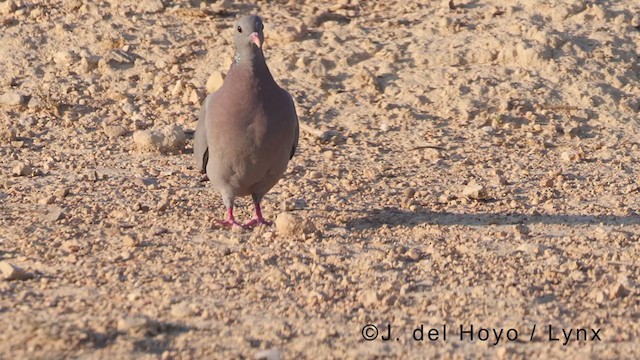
(268, 354)
(174, 139)
(10, 272)
(147, 140)
(150, 6)
(474, 191)
(22, 169)
(215, 81)
(11, 99)
(65, 57)
(7, 7)
(290, 224)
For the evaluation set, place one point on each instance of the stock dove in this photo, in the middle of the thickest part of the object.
(248, 129)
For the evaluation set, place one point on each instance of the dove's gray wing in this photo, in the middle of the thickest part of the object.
(200, 148)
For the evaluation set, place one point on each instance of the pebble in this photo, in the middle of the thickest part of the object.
(182, 310)
(150, 6)
(268, 354)
(54, 215)
(177, 88)
(369, 298)
(61, 193)
(148, 140)
(618, 290)
(474, 191)
(22, 169)
(50, 199)
(170, 139)
(7, 135)
(531, 249)
(548, 182)
(409, 193)
(11, 99)
(114, 131)
(65, 57)
(174, 139)
(215, 81)
(11, 272)
(290, 224)
(137, 326)
(162, 205)
(287, 34)
(7, 7)
(71, 246)
(130, 241)
(34, 103)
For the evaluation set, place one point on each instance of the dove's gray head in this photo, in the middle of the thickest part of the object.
(249, 38)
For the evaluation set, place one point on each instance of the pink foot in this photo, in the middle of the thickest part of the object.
(255, 221)
(230, 221)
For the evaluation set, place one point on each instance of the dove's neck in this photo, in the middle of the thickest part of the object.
(249, 57)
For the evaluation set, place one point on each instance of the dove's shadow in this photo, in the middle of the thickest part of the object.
(396, 217)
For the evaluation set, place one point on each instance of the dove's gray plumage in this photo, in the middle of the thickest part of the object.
(248, 129)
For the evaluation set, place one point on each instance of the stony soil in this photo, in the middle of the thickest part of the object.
(462, 162)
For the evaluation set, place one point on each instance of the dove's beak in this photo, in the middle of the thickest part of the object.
(255, 38)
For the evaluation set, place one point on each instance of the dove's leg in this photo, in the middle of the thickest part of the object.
(230, 221)
(257, 219)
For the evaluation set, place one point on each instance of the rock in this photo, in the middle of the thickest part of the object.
(54, 215)
(548, 182)
(618, 290)
(130, 241)
(177, 88)
(10, 272)
(11, 99)
(268, 354)
(34, 103)
(287, 34)
(148, 140)
(474, 191)
(61, 193)
(530, 249)
(72, 5)
(150, 6)
(162, 205)
(174, 139)
(293, 204)
(598, 296)
(49, 199)
(369, 298)
(170, 139)
(138, 326)
(7, 7)
(182, 310)
(409, 193)
(7, 135)
(65, 58)
(114, 131)
(521, 231)
(290, 224)
(71, 246)
(194, 97)
(215, 81)
(22, 169)
(569, 156)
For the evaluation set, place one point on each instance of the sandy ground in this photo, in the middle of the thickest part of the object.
(469, 163)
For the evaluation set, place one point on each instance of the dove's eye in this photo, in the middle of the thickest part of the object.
(239, 29)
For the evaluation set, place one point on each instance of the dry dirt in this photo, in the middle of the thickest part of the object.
(464, 163)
